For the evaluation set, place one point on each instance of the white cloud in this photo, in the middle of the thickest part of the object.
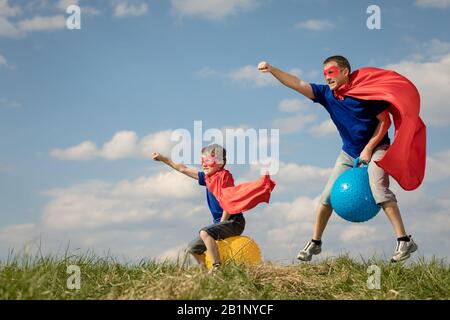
(20, 27)
(315, 25)
(124, 9)
(359, 232)
(440, 4)
(3, 61)
(325, 128)
(137, 221)
(84, 151)
(174, 253)
(293, 105)
(14, 233)
(7, 29)
(98, 203)
(211, 9)
(124, 144)
(292, 177)
(247, 75)
(39, 23)
(64, 4)
(251, 75)
(438, 167)
(6, 10)
(432, 80)
(294, 123)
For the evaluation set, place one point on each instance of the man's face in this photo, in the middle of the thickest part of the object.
(335, 76)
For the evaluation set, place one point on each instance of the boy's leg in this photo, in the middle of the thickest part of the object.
(197, 249)
(219, 231)
(211, 246)
(200, 258)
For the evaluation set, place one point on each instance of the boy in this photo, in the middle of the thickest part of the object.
(224, 225)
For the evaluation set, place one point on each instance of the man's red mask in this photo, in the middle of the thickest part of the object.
(333, 72)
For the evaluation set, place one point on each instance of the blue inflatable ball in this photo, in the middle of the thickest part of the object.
(351, 197)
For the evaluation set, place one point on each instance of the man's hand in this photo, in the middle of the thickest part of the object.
(366, 155)
(264, 67)
(156, 156)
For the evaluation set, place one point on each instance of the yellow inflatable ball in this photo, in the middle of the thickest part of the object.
(239, 249)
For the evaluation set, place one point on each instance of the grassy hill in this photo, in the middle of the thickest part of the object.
(106, 278)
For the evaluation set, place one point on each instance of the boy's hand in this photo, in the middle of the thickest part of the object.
(156, 156)
(264, 67)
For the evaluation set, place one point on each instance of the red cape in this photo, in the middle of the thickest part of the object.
(405, 158)
(243, 197)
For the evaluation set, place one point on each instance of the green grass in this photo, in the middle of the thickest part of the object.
(26, 277)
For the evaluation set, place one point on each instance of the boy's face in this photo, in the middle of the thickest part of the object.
(334, 75)
(210, 165)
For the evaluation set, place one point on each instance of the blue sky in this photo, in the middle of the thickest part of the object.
(138, 69)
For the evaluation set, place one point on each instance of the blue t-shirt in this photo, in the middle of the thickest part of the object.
(355, 119)
(213, 204)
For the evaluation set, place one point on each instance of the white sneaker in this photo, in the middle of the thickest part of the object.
(404, 249)
(308, 251)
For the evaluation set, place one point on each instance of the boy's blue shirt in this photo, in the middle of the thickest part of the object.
(355, 119)
(213, 204)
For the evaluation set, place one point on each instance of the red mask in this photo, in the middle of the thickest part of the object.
(333, 72)
(208, 161)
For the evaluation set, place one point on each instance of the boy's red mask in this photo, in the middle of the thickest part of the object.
(333, 71)
(208, 161)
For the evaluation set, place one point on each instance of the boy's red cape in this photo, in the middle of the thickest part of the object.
(405, 158)
(243, 197)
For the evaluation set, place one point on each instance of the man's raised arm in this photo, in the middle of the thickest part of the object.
(287, 79)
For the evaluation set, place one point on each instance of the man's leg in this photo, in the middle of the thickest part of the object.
(393, 212)
(324, 209)
(323, 214)
(379, 184)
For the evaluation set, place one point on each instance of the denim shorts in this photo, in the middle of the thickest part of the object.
(226, 229)
(378, 178)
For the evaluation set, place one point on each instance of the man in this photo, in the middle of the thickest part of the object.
(363, 125)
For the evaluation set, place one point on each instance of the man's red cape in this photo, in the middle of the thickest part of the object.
(243, 197)
(405, 158)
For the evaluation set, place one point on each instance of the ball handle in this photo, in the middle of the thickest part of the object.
(358, 161)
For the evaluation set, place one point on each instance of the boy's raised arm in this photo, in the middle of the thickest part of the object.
(177, 166)
(288, 80)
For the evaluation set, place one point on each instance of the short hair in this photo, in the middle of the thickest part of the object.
(341, 61)
(219, 152)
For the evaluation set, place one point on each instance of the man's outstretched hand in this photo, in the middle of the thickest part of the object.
(264, 66)
(156, 156)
